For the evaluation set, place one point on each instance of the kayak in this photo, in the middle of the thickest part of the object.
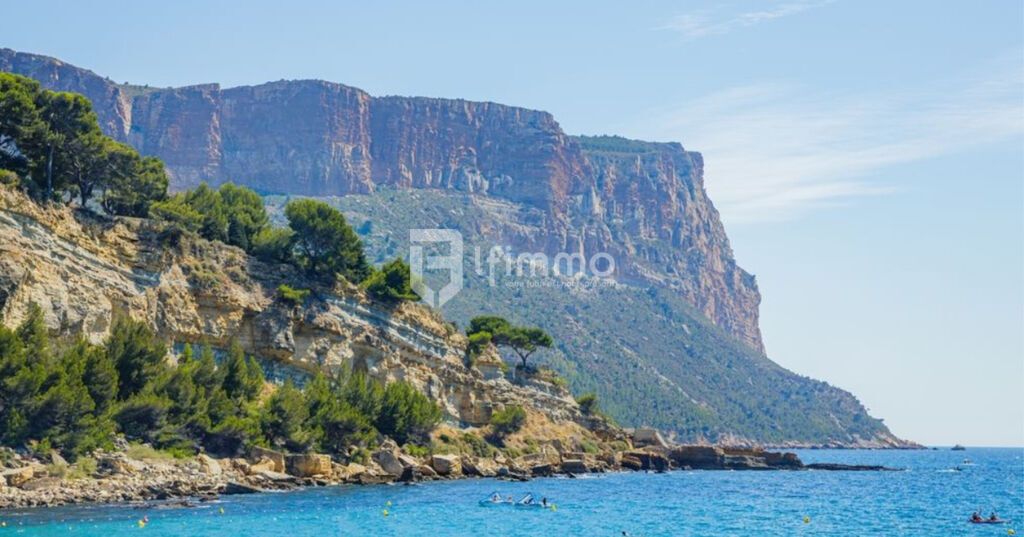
(987, 521)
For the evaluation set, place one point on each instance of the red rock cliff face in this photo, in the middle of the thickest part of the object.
(643, 203)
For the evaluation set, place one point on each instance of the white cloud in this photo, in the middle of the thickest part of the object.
(774, 150)
(705, 22)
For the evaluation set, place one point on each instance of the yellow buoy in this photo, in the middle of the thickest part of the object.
(1011, 532)
(807, 520)
(388, 503)
(222, 510)
(385, 512)
(142, 523)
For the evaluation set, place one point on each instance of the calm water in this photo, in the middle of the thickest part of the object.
(927, 499)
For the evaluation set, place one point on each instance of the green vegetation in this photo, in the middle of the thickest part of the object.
(76, 398)
(231, 214)
(508, 421)
(588, 404)
(53, 143)
(323, 244)
(640, 375)
(295, 297)
(614, 144)
(391, 283)
(523, 340)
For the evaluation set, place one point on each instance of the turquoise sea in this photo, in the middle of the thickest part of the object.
(928, 498)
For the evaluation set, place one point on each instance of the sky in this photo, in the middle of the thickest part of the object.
(867, 157)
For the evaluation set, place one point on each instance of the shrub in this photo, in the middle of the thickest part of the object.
(588, 403)
(8, 178)
(273, 245)
(292, 296)
(392, 283)
(508, 421)
(406, 414)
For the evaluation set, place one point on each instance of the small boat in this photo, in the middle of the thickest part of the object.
(958, 447)
(496, 499)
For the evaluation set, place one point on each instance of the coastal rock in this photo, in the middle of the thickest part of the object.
(388, 460)
(208, 465)
(574, 466)
(446, 465)
(649, 460)
(697, 457)
(258, 454)
(479, 466)
(19, 476)
(308, 465)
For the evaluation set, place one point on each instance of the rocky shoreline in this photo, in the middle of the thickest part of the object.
(120, 478)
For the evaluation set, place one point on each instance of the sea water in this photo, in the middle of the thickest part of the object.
(929, 497)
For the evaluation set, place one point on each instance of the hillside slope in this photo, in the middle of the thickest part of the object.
(673, 343)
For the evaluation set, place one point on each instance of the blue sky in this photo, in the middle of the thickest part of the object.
(866, 156)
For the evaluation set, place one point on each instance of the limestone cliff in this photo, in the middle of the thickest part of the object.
(82, 270)
(643, 203)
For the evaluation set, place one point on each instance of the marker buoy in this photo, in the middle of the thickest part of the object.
(385, 512)
(807, 519)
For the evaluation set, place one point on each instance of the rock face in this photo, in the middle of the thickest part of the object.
(82, 270)
(642, 203)
(502, 175)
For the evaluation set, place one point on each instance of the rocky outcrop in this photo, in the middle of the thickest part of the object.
(643, 203)
(82, 271)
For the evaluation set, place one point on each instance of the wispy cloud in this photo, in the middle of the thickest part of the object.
(775, 150)
(703, 23)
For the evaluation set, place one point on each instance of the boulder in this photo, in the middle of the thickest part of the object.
(782, 460)
(575, 466)
(647, 436)
(446, 464)
(698, 457)
(119, 463)
(427, 471)
(544, 469)
(18, 476)
(263, 465)
(389, 461)
(257, 453)
(408, 461)
(208, 465)
(308, 465)
(479, 466)
(630, 462)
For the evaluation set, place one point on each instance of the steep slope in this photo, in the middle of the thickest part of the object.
(83, 270)
(674, 343)
(643, 203)
(671, 368)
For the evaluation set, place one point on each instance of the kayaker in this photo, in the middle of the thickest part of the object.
(993, 517)
(544, 502)
(976, 517)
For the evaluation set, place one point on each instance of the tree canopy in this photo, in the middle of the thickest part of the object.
(523, 340)
(52, 141)
(323, 243)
